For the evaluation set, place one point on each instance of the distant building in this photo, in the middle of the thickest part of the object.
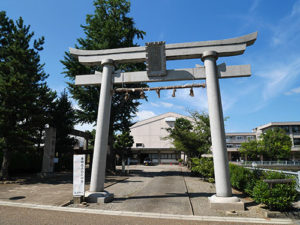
(234, 142)
(292, 129)
(150, 139)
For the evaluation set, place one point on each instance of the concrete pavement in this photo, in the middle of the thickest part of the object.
(168, 189)
(55, 190)
(154, 191)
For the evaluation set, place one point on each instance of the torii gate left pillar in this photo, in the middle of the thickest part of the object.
(208, 51)
(96, 192)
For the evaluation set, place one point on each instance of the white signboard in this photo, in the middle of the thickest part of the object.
(78, 175)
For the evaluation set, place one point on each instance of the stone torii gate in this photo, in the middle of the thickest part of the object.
(155, 55)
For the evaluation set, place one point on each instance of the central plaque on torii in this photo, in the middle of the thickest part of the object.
(156, 59)
(155, 55)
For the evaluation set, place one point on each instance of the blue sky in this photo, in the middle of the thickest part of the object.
(271, 94)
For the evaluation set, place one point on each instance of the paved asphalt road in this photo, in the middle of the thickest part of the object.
(26, 216)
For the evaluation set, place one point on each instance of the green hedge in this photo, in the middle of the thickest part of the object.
(279, 197)
(203, 167)
(243, 179)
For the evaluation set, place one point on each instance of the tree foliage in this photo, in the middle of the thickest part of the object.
(64, 121)
(123, 143)
(274, 144)
(253, 149)
(191, 137)
(25, 99)
(109, 27)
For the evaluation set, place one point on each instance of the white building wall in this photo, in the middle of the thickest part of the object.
(152, 132)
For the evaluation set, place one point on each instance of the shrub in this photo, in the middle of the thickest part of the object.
(203, 167)
(279, 197)
(243, 179)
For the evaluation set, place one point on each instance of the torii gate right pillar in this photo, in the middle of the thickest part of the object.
(219, 150)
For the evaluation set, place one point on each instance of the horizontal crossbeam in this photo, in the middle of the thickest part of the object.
(191, 50)
(197, 73)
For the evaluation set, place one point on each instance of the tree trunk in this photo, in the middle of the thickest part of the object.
(111, 154)
(4, 175)
(123, 163)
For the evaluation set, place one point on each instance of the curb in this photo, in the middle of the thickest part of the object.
(150, 215)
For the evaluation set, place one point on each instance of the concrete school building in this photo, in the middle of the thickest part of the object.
(150, 139)
(234, 140)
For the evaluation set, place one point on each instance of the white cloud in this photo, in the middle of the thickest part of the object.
(144, 114)
(287, 31)
(154, 104)
(293, 91)
(166, 104)
(277, 78)
(254, 5)
(198, 102)
(162, 104)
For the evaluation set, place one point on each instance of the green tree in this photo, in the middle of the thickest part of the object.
(122, 144)
(109, 27)
(64, 121)
(276, 144)
(25, 99)
(193, 138)
(252, 149)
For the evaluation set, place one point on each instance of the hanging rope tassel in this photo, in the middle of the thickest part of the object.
(174, 90)
(158, 92)
(192, 92)
(126, 96)
(142, 94)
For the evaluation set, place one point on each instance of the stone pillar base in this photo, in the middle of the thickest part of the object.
(99, 197)
(226, 203)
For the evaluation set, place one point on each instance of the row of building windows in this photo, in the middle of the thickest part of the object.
(233, 145)
(228, 138)
(296, 143)
(164, 156)
(294, 128)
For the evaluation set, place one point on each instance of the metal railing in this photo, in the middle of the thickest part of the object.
(271, 163)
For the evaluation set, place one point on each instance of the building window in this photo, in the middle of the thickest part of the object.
(153, 156)
(238, 145)
(239, 137)
(139, 145)
(228, 138)
(286, 128)
(250, 137)
(296, 129)
(229, 146)
(297, 141)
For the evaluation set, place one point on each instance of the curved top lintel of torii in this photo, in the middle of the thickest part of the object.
(189, 50)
